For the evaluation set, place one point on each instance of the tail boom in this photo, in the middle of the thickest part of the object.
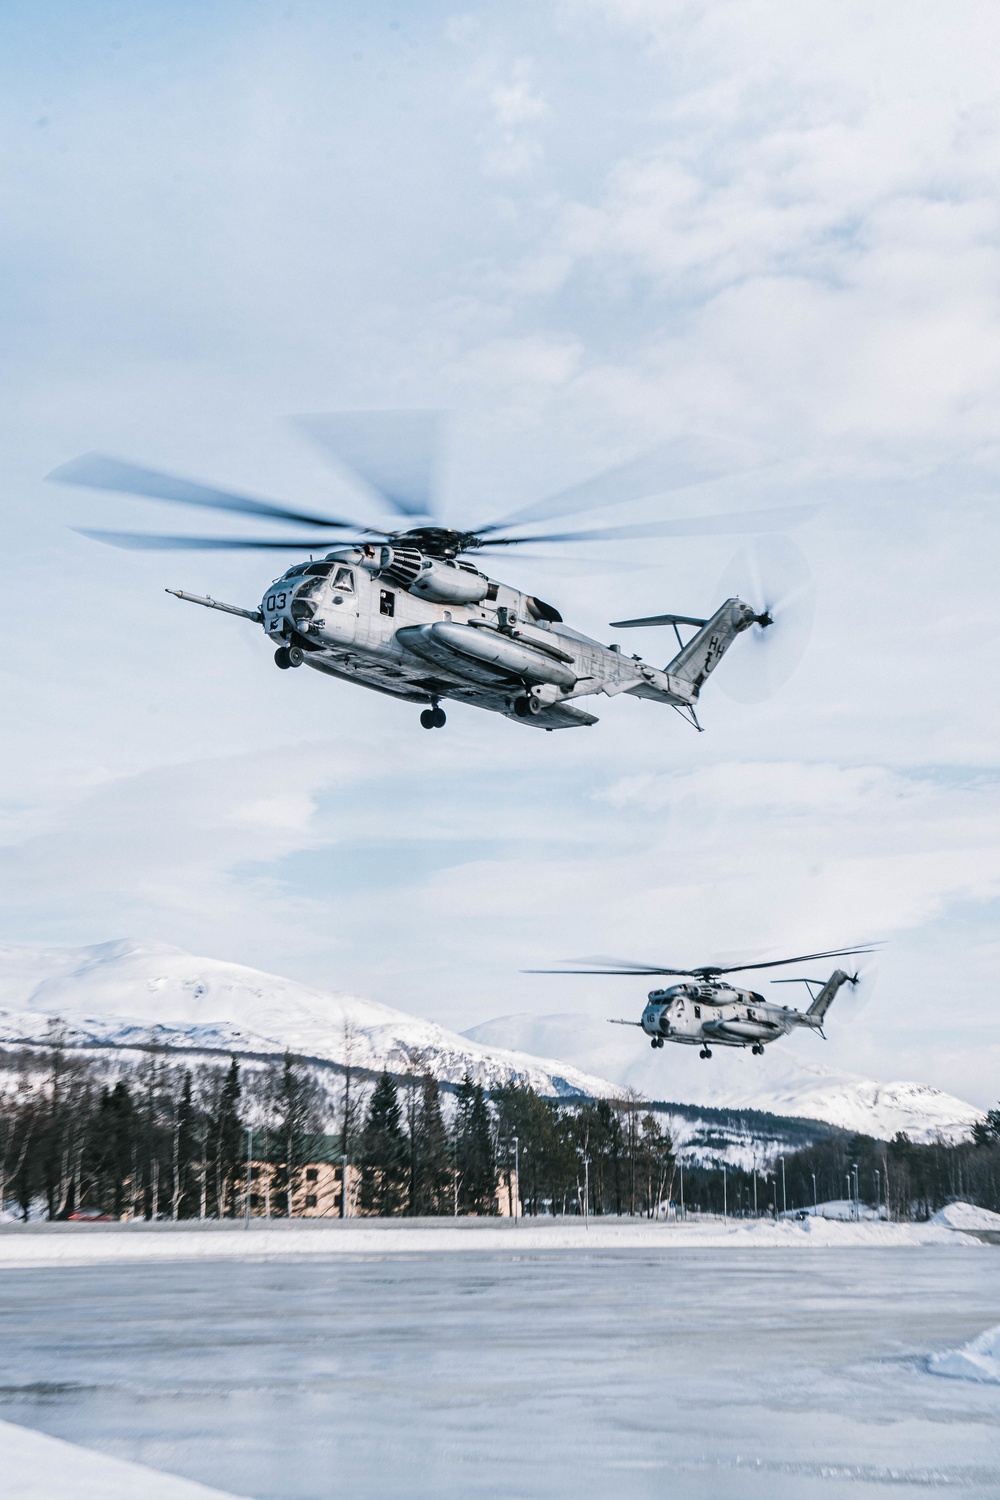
(682, 679)
(813, 1017)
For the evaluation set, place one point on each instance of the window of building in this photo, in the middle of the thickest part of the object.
(310, 1200)
(312, 1174)
(386, 602)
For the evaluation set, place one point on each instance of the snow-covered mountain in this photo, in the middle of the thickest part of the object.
(781, 1082)
(124, 994)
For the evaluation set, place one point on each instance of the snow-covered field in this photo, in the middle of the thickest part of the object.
(34, 1466)
(90, 1244)
(745, 1369)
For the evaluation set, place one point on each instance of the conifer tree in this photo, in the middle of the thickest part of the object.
(115, 1149)
(383, 1152)
(294, 1106)
(432, 1172)
(186, 1153)
(226, 1138)
(475, 1159)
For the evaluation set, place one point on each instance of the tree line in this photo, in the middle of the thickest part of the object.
(154, 1139)
(151, 1138)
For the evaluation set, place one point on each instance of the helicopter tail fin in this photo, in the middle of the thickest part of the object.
(814, 1015)
(705, 650)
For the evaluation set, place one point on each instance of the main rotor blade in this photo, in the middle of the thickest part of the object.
(98, 471)
(611, 966)
(143, 541)
(624, 967)
(674, 465)
(728, 523)
(801, 958)
(396, 453)
(636, 973)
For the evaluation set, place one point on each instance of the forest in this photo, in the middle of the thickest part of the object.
(150, 1138)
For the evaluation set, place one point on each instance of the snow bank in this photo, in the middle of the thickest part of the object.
(35, 1466)
(966, 1216)
(45, 1245)
(977, 1360)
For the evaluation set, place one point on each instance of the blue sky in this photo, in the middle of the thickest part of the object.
(582, 229)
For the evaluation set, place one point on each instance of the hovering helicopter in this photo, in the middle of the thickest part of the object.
(708, 1010)
(407, 612)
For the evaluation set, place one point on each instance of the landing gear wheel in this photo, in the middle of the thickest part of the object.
(527, 707)
(705, 1052)
(433, 717)
(295, 656)
(281, 658)
(757, 1050)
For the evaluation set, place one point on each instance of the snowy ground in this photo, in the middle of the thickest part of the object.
(663, 1366)
(34, 1466)
(84, 1244)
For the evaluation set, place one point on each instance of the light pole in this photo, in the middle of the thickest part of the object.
(586, 1192)
(343, 1186)
(784, 1195)
(847, 1179)
(681, 1165)
(857, 1199)
(878, 1193)
(517, 1181)
(815, 1199)
(755, 1213)
(246, 1206)
(724, 1205)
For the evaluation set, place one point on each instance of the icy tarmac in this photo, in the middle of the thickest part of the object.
(543, 1374)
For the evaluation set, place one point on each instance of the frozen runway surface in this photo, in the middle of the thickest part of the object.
(713, 1372)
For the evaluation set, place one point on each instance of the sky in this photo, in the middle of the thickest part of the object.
(581, 229)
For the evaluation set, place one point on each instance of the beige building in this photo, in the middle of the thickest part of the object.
(317, 1192)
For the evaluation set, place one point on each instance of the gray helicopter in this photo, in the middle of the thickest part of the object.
(407, 612)
(708, 1011)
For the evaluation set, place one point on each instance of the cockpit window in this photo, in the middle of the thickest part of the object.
(318, 570)
(344, 580)
(295, 572)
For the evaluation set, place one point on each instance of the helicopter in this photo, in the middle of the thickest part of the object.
(406, 611)
(709, 1011)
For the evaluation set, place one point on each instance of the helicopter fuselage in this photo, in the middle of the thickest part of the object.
(708, 1012)
(426, 627)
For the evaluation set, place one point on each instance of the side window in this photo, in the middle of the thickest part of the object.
(344, 580)
(697, 1011)
(386, 602)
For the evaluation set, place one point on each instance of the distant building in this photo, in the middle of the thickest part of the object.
(508, 1202)
(317, 1190)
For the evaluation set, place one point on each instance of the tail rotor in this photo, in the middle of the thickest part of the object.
(771, 574)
